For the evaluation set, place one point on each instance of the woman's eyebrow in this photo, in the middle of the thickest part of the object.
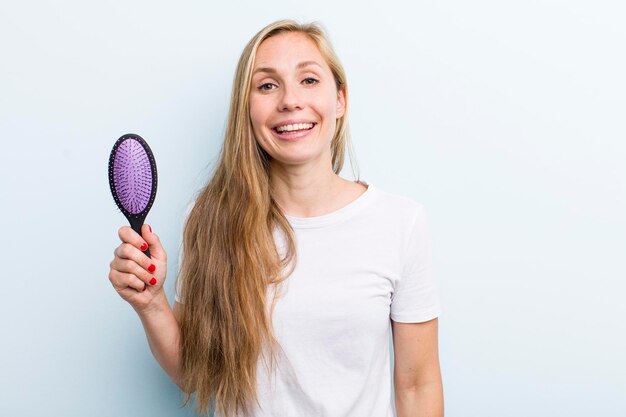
(270, 70)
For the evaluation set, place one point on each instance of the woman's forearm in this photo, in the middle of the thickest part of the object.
(163, 334)
(422, 401)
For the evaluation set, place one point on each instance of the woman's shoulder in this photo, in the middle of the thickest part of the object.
(396, 204)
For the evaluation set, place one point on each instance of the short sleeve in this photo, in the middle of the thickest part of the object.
(415, 297)
(177, 285)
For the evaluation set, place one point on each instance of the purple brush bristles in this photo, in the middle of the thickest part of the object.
(132, 176)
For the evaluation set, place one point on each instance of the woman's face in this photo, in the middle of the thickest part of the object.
(292, 84)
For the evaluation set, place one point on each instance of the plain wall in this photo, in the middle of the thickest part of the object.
(506, 119)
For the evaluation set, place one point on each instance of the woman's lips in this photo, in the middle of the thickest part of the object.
(297, 134)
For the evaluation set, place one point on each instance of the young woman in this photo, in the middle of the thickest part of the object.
(291, 277)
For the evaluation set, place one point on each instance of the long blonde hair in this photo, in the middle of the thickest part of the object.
(230, 255)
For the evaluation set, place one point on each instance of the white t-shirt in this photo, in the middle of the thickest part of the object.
(358, 267)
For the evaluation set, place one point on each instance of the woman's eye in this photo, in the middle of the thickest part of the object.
(308, 81)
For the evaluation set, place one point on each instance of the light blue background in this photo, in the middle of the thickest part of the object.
(506, 119)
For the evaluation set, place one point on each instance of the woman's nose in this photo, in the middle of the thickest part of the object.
(290, 98)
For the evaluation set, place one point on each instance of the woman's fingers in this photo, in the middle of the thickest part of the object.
(132, 271)
(123, 280)
(128, 235)
(133, 248)
(129, 266)
(154, 243)
(130, 252)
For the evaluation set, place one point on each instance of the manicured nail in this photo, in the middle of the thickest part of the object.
(153, 281)
(150, 228)
(144, 246)
(144, 288)
(151, 268)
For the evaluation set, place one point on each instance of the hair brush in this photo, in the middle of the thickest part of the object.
(133, 179)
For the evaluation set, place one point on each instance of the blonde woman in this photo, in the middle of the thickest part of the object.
(292, 278)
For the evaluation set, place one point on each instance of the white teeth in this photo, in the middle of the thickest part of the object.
(298, 126)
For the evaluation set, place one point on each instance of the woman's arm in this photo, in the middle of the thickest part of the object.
(139, 279)
(163, 333)
(416, 375)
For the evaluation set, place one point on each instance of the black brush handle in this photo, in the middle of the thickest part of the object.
(135, 224)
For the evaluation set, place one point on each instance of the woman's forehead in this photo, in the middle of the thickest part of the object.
(286, 51)
(288, 44)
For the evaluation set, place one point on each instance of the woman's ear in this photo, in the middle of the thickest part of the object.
(341, 103)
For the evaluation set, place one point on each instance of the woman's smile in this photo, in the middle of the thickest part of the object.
(291, 135)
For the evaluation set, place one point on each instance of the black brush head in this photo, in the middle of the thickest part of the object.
(133, 178)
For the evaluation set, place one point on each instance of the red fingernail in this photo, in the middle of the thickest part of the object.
(150, 228)
(151, 268)
(144, 246)
(153, 281)
(144, 288)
